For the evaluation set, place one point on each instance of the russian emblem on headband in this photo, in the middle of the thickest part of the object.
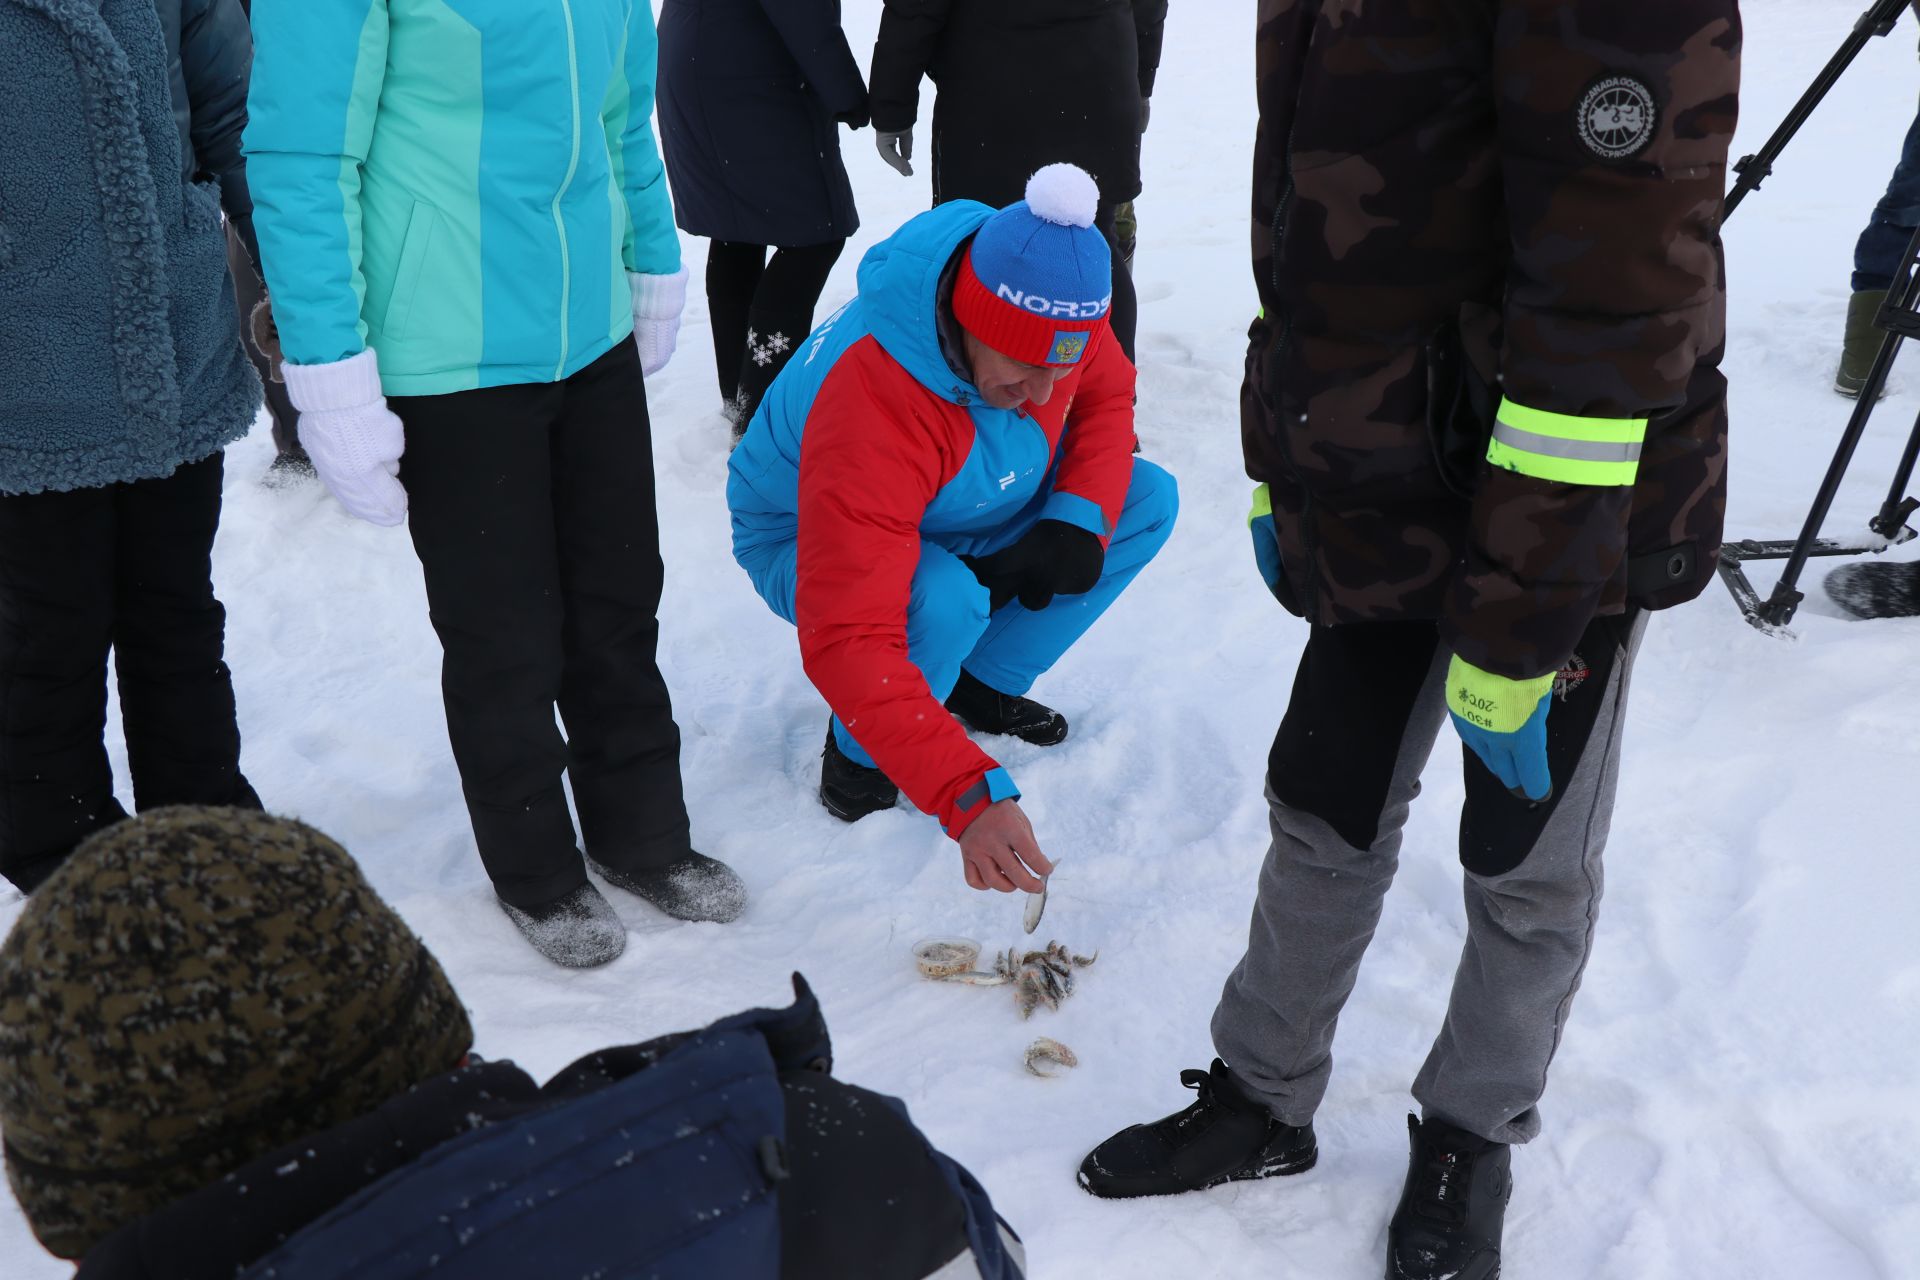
(1068, 346)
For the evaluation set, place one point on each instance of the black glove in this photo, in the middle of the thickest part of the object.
(854, 118)
(1053, 558)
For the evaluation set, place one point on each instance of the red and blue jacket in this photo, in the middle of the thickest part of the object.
(872, 442)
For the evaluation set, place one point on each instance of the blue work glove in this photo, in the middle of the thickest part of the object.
(1266, 539)
(1505, 722)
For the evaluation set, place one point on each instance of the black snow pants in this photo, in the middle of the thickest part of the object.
(532, 511)
(126, 568)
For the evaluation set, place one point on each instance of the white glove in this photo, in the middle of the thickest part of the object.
(657, 303)
(355, 441)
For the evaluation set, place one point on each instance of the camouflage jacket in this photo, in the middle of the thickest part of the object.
(1484, 387)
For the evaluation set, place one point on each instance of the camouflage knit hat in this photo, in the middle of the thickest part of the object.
(194, 988)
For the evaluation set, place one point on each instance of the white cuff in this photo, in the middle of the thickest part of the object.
(352, 383)
(658, 297)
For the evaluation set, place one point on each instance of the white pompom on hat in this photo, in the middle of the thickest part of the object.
(1064, 194)
(1038, 278)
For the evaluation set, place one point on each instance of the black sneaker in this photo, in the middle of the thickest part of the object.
(1448, 1224)
(852, 791)
(989, 711)
(578, 931)
(1876, 590)
(691, 887)
(1225, 1136)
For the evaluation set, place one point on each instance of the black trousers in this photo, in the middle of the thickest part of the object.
(1366, 703)
(762, 311)
(126, 568)
(532, 510)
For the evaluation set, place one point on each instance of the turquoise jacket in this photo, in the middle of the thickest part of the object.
(460, 184)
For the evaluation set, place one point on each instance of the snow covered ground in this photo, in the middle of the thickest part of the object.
(1736, 1097)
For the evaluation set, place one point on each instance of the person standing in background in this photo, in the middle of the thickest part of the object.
(1022, 84)
(290, 463)
(751, 94)
(466, 211)
(1876, 257)
(121, 381)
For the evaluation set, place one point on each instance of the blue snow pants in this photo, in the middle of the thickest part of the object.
(949, 623)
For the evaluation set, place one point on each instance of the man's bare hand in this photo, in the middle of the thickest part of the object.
(999, 852)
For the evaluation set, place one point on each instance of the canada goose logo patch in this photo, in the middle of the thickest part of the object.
(1617, 117)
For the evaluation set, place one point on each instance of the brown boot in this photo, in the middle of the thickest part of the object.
(1862, 343)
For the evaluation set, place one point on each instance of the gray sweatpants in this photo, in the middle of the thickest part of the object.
(1532, 879)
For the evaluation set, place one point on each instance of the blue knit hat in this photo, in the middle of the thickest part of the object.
(1038, 279)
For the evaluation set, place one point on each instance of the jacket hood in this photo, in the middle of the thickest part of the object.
(900, 291)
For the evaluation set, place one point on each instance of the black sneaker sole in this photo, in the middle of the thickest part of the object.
(1285, 1169)
(1479, 1267)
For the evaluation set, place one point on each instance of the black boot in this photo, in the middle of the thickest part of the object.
(1225, 1136)
(691, 887)
(1448, 1224)
(852, 791)
(989, 711)
(772, 338)
(578, 931)
(1876, 590)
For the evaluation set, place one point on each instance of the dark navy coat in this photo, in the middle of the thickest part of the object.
(728, 1152)
(749, 95)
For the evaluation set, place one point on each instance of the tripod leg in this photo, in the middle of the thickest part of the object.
(1894, 512)
(1757, 168)
(1901, 317)
(1786, 598)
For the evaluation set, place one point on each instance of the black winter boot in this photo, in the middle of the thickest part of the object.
(1225, 1136)
(578, 931)
(852, 791)
(691, 887)
(1448, 1224)
(989, 711)
(1876, 590)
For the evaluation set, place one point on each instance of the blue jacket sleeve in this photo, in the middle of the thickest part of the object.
(650, 245)
(318, 70)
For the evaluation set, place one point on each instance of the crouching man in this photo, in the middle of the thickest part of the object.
(940, 492)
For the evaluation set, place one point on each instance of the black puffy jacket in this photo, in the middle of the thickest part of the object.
(1022, 83)
(210, 55)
